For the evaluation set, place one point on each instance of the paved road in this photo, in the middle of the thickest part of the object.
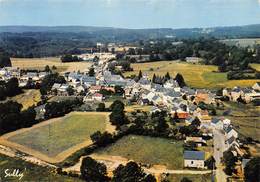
(219, 148)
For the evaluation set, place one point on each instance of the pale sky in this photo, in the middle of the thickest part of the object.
(130, 13)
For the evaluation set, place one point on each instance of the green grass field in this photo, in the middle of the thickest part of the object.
(32, 173)
(192, 177)
(148, 150)
(63, 134)
(195, 75)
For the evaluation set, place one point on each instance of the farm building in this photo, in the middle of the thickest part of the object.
(194, 159)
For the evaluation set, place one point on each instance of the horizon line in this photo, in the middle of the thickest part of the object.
(97, 26)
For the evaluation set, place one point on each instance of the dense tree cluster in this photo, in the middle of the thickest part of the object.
(42, 44)
(5, 60)
(124, 64)
(102, 139)
(49, 81)
(57, 109)
(12, 118)
(180, 80)
(70, 58)
(131, 172)
(192, 129)
(117, 116)
(93, 171)
(252, 173)
(211, 50)
(230, 162)
(158, 79)
(155, 125)
(9, 88)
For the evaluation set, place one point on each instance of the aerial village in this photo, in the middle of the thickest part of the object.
(184, 105)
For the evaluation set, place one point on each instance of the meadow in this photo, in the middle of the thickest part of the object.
(58, 138)
(245, 118)
(195, 75)
(40, 63)
(31, 172)
(148, 150)
(192, 177)
(28, 98)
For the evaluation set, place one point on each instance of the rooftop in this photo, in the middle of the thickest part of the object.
(194, 155)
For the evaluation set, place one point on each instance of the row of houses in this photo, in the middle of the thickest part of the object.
(23, 77)
(247, 94)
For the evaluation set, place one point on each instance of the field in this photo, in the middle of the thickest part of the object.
(245, 118)
(195, 75)
(40, 63)
(148, 150)
(56, 139)
(28, 98)
(137, 107)
(255, 66)
(193, 178)
(31, 172)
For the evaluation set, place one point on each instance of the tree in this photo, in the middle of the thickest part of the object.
(154, 78)
(48, 82)
(229, 160)
(167, 76)
(196, 122)
(180, 80)
(28, 117)
(131, 172)
(54, 67)
(47, 68)
(2, 92)
(101, 107)
(117, 104)
(11, 117)
(119, 90)
(93, 171)
(240, 100)
(101, 139)
(252, 173)
(12, 87)
(70, 58)
(210, 163)
(117, 116)
(91, 72)
(70, 90)
(140, 75)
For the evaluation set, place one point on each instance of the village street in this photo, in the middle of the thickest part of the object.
(219, 148)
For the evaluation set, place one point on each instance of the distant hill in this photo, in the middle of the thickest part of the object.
(219, 32)
(41, 41)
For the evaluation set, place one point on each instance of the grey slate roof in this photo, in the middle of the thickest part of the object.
(231, 140)
(228, 129)
(144, 81)
(215, 120)
(194, 155)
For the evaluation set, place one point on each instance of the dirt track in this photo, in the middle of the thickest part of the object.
(112, 162)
